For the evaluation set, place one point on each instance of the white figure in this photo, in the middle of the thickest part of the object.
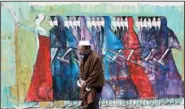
(145, 23)
(126, 22)
(140, 23)
(37, 30)
(89, 25)
(113, 22)
(74, 21)
(70, 21)
(154, 23)
(66, 23)
(93, 21)
(102, 21)
(78, 21)
(121, 22)
(118, 22)
(137, 24)
(159, 22)
(97, 21)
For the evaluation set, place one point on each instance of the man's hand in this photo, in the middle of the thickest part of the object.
(87, 89)
(78, 83)
(83, 83)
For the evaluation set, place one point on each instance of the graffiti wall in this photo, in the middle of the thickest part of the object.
(141, 46)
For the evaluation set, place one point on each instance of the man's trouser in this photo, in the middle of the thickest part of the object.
(95, 104)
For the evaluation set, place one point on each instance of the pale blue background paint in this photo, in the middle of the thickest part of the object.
(174, 14)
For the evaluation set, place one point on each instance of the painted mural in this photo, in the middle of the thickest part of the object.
(141, 47)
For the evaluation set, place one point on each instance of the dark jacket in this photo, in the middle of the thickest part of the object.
(92, 73)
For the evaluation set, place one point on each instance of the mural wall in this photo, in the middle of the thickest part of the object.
(141, 47)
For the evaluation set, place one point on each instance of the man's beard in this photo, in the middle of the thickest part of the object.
(83, 57)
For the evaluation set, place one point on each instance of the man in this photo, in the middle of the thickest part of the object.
(91, 78)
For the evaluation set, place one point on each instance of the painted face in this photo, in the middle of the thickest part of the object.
(154, 23)
(102, 22)
(74, 21)
(55, 22)
(89, 22)
(39, 18)
(113, 21)
(78, 21)
(149, 23)
(70, 21)
(50, 22)
(66, 22)
(145, 22)
(137, 23)
(118, 21)
(93, 21)
(121, 21)
(126, 22)
(158, 22)
(98, 21)
(140, 22)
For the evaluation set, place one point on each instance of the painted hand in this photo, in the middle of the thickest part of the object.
(146, 59)
(62, 59)
(139, 62)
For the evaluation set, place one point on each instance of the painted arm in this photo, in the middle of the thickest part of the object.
(146, 59)
(62, 58)
(128, 58)
(53, 53)
(164, 54)
(114, 58)
(160, 60)
(17, 20)
(31, 29)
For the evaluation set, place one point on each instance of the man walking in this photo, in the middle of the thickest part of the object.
(91, 78)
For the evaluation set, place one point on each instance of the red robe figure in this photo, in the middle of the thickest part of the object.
(40, 88)
(41, 84)
(136, 72)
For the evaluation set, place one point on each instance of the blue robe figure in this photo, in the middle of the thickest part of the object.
(150, 43)
(54, 41)
(60, 69)
(74, 67)
(99, 40)
(142, 39)
(79, 30)
(111, 42)
(94, 36)
(168, 79)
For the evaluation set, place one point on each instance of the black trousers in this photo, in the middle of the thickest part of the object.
(95, 104)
